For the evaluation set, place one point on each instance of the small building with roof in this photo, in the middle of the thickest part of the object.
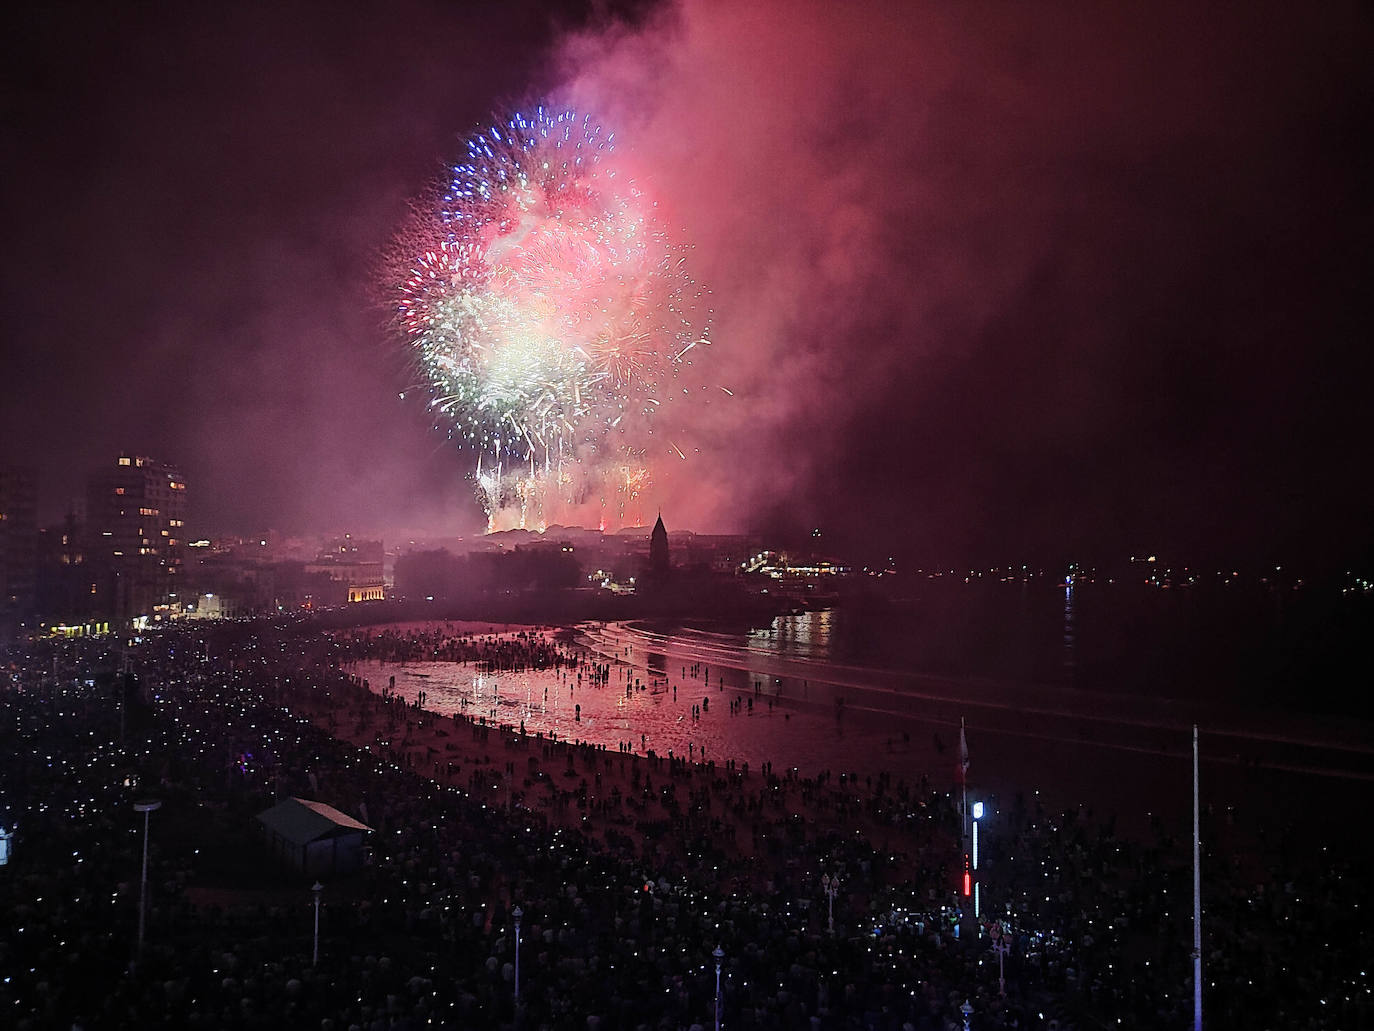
(313, 837)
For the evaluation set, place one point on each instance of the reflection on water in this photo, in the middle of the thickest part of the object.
(1303, 649)
(803, 634)
(1070, 630)
(762, 697)
(686, 710)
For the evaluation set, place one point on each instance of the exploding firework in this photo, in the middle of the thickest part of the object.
(550, 316)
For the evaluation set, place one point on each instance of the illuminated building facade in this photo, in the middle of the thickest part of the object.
(136, 518)
(358, 565)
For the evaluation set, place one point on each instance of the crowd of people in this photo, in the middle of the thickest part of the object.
(629, 871)
(495, 652)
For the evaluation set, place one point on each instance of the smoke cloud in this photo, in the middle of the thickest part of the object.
(981, 273)
(988, 279)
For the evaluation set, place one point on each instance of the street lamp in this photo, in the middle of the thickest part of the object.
(517, 913)
(831, 887)
(719, 953)
(316, 889)
(977, 815)
(967, 1012)
(145, 807)
(1001, 946)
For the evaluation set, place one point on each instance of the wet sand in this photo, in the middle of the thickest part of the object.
(533, 774)
(1281, 781)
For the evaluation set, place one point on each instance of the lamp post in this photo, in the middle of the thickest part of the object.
(1001, 946)
(719, 953)
(517, 913)
(831, 887)
(145, 807)
(977, 816)
(967, 1011)
(1197, 898)
(316, 889)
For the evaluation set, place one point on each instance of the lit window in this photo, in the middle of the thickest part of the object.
(123, 461)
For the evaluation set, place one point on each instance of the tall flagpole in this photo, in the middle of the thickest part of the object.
(1197, 900)
(963, 772)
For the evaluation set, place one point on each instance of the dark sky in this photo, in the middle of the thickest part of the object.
(990, 279)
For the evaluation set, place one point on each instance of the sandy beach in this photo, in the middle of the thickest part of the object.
(606, 795)
(1123, 758)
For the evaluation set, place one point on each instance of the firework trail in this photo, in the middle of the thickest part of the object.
(549, 316)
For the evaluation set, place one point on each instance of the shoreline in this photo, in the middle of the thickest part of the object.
(1137, 777)
(609, 797)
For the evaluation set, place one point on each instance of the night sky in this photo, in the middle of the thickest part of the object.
(991, 280)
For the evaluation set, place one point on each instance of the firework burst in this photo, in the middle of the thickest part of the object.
(549, 315)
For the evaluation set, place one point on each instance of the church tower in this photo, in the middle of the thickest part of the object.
(658, 550)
